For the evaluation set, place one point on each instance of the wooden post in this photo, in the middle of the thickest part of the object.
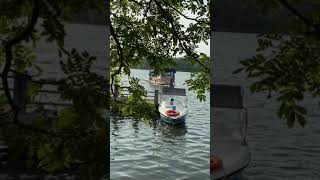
(171, 82)
(156, 98)
(116, 90)
(156, 102)
(20, 95)
(245, 130)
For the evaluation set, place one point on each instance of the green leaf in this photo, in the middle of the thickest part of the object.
(301, 119)
(40, 121)
(33, 90)
(66, 119)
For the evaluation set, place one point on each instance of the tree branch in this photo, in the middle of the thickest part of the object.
(120, 53)
(8, 45)
(139, 3)
(54, 11)
(294, 11)
(186, 50)
(186, 17)
(170, 20)
(145, 14)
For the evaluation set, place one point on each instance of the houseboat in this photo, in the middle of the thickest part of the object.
(167, 78)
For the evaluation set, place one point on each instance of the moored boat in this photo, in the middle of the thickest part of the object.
(230, 153)
(173, 108)
(165, 78)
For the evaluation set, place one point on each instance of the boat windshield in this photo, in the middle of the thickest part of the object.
(165, 104)
(176, 101)
(168, 74)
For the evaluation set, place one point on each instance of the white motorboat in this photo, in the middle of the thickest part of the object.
(172, 107)
(230, 153)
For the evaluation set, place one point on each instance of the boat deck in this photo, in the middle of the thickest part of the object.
(226, 144)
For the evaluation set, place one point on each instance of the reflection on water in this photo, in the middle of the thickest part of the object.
(157, 150)
(173, 131)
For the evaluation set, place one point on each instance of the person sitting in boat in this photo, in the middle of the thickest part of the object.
(172, 105)
(171, 101)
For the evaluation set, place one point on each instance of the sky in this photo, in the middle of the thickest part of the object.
(204, 48)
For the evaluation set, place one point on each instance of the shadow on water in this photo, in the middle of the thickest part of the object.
(142, 149)
(172, 130)
(166, 129)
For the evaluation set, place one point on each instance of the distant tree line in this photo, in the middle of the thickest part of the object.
(179, 64)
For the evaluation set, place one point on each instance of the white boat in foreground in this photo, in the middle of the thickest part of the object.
(172, 107)
(233, 155)
(230, 154)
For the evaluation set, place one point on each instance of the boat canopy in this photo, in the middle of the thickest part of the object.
(226, 96)
(174, 91)
(167, 72)
(167, 104)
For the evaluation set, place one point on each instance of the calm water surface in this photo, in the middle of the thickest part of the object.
(154, 151)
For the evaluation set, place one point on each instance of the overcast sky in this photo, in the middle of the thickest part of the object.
(204, 48)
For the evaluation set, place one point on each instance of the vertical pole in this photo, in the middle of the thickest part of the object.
(171, 82)
(116, 90)
(156, 102)
(245, 115)
(20, 95)
(156, 98)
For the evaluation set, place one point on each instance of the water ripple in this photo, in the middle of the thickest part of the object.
(162, 152)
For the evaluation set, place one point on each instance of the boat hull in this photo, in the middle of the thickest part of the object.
(235, 155)
(160, 82)
(174, 121)
(234, 176)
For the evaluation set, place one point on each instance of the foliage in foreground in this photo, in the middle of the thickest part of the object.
(151, 32)
(77, 139)
(288, 64)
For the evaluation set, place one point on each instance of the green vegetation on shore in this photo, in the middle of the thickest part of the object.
(179, 64)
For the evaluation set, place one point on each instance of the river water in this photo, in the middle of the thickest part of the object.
(140, 150)
(278, 153)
